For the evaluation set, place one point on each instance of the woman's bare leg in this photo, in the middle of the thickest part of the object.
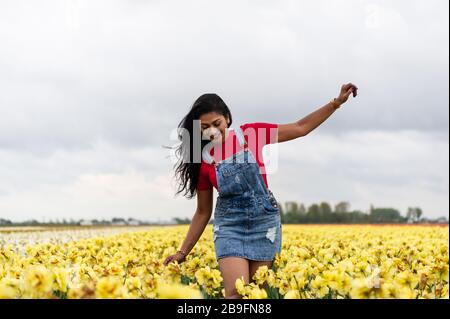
(231, 269)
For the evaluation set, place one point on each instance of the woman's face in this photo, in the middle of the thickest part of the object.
(214, 127)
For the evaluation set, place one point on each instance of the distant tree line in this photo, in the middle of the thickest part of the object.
(296, 213)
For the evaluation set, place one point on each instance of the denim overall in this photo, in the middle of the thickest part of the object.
(247, 221)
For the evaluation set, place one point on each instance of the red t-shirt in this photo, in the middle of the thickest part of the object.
(256, 134)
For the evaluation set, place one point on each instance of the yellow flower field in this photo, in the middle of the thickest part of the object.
(351, 261)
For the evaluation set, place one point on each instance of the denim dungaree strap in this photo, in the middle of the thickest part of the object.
(247, 220)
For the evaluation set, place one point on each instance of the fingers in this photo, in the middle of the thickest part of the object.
(350, 88)
(168, 260)
(347, 86)
(171, 258)
(347, 93)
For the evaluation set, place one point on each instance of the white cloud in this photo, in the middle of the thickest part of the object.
(132, 191)
(396, 169)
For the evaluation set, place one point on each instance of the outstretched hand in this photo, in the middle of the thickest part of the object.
(346, 90)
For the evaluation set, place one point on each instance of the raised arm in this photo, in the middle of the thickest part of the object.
(302, 127)
(198, 224)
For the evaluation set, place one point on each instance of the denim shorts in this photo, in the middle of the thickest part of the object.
(247, 228)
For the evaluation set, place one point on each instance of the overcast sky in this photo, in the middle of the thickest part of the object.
(90, 91)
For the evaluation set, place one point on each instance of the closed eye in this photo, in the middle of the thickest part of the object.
(216, 124)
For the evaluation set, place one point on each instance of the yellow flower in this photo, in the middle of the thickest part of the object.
(86, 291)
(9, 288)
(109, 288)
(257, 293)
(61, 279)
(38, 282)
(404, 292)
(388, 290)
(261, 275)
(209, 279)
(292, 294)
(319, 287)
(363, 288)
(240, 286)
(408, 279)
(133, 283)
(177, 291)
(444, 292)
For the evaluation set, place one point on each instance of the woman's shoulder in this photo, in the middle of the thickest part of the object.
(258, 125)
(268, 131)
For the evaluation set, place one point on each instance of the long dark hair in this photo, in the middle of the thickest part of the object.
(186, 169)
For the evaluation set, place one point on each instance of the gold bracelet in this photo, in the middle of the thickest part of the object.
(333, 101)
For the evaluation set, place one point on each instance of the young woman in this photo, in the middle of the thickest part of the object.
(247, 226)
